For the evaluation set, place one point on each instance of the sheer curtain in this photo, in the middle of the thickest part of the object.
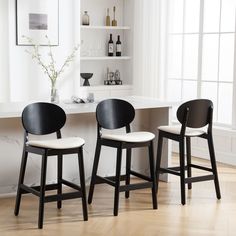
(149, 47)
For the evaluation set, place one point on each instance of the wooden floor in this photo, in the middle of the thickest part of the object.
(202, 215)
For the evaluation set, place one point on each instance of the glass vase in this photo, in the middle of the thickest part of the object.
(54, 94)
(85, 18)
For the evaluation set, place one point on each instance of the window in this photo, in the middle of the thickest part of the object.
(201, 54)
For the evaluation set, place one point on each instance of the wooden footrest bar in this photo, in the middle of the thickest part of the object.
(135, 186)
(108, 179)
(36, 189)
(177, 168)
(25, 189)
(64, 196)
(113, 178)
(170, 171)
(140, 175)
(111, 181)
(102, 180)
(201, 167)
(199, 178)
(70, 184)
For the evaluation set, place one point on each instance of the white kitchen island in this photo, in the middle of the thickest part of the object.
(81, 121)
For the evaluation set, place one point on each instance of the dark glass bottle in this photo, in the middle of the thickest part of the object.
(110, 47)
(118, 47)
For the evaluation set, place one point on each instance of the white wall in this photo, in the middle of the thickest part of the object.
(22, 75)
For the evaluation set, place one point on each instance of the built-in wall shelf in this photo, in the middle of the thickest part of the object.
(94, 47)
(106, 91)
(91, 27)
(107, 87)
(104, 58)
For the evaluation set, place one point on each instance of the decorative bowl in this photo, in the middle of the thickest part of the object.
(86, 77)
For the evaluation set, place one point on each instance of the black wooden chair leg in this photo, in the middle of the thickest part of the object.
(94, 172)
(189, 169)
(82, 183)
(117, 181)
(21, 181)
(158, 161)
(59, 178)
(182, 171)
(128, 166)
(42, 190)
(213, 164)
(153, 176)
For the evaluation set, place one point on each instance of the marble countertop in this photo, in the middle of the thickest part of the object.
(14, 109)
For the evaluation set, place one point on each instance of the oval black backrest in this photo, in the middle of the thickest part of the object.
(198, 112)
(114, 113)
(43, 118)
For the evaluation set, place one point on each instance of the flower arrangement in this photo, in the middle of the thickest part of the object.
(49, 67)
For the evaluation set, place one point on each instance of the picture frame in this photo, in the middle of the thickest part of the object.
(36, 19)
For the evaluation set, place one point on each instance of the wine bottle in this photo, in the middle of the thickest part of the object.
(108, 20)
(118, 47)
(110, 47)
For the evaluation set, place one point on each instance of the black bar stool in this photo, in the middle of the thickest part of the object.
(194, 116)
(42, 119)
(114, 114)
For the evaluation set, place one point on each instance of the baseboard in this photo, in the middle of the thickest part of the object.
(7, 195)
(222, 157)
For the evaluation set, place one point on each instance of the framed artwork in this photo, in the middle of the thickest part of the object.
(36, 19)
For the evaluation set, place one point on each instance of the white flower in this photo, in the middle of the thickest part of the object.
(50, 68)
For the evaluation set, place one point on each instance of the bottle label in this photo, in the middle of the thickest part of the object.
(110, 48)
(118, 47)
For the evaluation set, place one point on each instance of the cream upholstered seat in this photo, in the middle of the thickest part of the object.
(191, 132)
(63, 143)
(134, 137)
